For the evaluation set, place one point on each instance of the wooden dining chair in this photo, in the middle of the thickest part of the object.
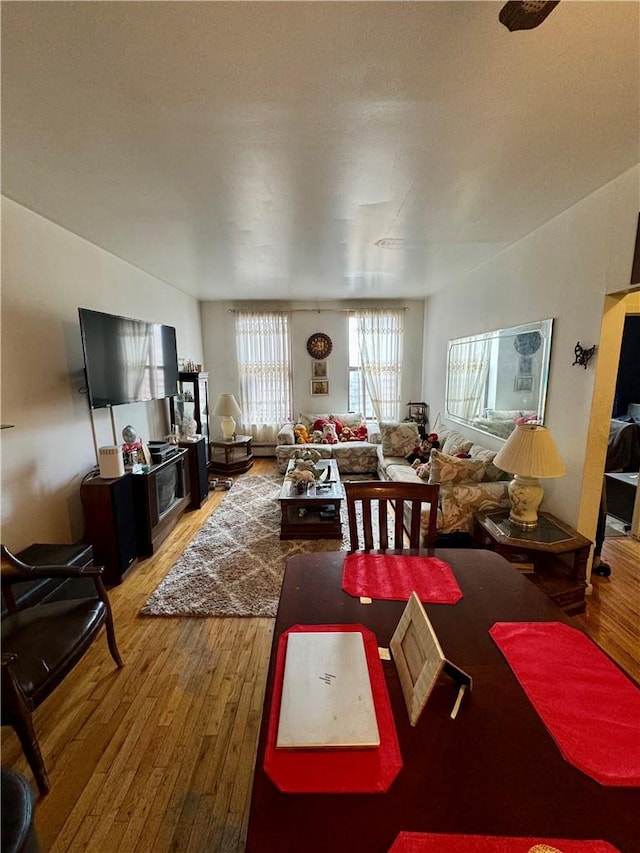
(407, 499)
(41, 644)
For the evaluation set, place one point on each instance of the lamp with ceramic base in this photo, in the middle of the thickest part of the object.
(227, 408)
(529, 453)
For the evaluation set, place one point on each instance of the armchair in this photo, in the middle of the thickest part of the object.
(43, 643)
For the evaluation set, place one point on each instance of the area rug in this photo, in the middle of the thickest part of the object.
(235, 563)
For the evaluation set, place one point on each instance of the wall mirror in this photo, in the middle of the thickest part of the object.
(499, 378)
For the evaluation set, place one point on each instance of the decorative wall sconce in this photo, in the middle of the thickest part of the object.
(525, 14)
(583, 356)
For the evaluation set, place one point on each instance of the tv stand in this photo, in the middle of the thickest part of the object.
(159, 499)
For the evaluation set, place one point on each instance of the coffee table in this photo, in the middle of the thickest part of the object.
(314, 514)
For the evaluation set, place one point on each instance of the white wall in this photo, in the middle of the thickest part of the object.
(563, 270)
(47, 273)
(332, 319)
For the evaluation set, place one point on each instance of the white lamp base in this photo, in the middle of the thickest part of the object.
(228, 427)
(526, 496)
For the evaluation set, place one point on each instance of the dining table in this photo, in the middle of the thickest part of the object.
(492, 769)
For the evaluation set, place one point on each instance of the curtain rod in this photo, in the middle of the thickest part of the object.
(318, 310)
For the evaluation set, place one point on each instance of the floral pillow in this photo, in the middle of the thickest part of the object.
(455, 443)
(348, 419)
(399, 439)
(451, 469)
(492, 474)
(308, 419)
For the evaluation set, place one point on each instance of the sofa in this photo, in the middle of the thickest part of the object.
(353, 457)
(467, 485)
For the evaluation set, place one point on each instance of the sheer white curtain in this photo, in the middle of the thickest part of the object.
(380, 343)
(467, 378)
(264, 369)
(133, 344)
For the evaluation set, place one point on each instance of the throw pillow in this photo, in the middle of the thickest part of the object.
(455, 443)
(451, 469)
(399, 439)
(308, 419)
(492, 474)
(349, 419)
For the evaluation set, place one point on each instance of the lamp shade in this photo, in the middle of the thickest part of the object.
(530, 451)
(227, 407)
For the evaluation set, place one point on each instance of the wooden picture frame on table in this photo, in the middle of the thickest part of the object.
(319, 388)
(419, 660)
(319, 369)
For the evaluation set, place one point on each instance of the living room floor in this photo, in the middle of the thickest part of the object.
(159, 755)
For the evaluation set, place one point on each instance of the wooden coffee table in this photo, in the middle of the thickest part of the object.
(314, 514)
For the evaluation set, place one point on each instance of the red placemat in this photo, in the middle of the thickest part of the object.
(335, 771)
(393, 576)
(417, 842)
(589, 706)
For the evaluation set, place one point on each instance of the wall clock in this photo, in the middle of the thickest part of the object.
(319, 345)
(527, 343)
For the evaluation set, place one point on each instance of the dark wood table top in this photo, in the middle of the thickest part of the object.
(494, 770)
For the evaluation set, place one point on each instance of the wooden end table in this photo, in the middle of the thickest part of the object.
(231, 456)
(542, 546)
(314, 514)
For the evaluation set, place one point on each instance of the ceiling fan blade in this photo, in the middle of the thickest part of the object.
(525, 14)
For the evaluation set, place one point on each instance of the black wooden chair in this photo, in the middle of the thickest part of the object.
(41, 644)
(407, 499)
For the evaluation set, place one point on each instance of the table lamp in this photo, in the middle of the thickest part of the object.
(228, 409)
(529, 452)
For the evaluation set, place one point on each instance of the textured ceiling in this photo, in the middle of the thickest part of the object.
(261, 150)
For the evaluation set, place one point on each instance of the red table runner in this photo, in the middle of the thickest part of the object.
(335, 771)
(590, 708)
(416, 842)
(394, 576)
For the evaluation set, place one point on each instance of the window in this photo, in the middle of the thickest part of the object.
(359, 399)
(264, 371)
(375, 362)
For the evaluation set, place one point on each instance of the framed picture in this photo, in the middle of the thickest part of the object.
(319, 388)
(319, 369)
(525, 366)
(523, 383)
(417, 656)
(419, 660)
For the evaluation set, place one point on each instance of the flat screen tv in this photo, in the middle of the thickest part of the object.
(127, 361)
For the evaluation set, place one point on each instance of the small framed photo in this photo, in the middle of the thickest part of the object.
(417, 656)
(319, 388)
(525, 366)
(419, 660)
(319, 369)
(523, 383)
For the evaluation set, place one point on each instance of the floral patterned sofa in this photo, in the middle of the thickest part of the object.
(353, 457)
(467, 485)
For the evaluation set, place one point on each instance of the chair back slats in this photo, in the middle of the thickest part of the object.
(409, 499)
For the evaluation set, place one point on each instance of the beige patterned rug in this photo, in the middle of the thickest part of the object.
(234, 564)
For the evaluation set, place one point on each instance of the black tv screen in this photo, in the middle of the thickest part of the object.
(127, 361)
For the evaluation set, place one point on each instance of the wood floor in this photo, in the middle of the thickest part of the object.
(159, 756)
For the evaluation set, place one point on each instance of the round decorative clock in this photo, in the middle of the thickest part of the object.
(528, 343)
(319, 345)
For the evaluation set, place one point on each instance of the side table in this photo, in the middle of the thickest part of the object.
(232, 456)
(563, 582)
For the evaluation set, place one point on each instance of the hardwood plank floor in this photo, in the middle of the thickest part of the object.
(159, 756)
